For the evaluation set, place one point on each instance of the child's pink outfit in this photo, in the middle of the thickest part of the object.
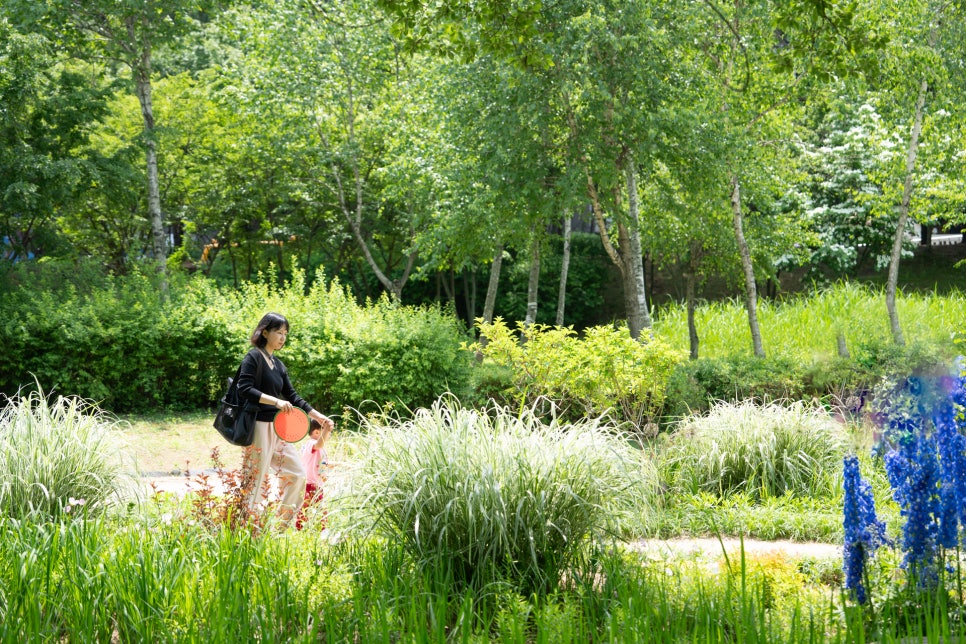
(312, 459)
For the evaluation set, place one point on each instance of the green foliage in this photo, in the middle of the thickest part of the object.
(145, 579)
(495, 496)
(694, 386)
(765, 450)
(589, 270)
(351, 355)
(117, 342)
(605, 371)
(57, 456)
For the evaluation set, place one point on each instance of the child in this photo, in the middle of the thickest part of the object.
(313, 457)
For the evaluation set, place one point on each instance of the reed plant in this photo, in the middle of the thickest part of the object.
(806, 328)
(495, 495)
(56, 454)
(765, 450)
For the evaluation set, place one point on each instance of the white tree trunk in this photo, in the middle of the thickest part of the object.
(564, 269)
(534, 281)
(142, 79)
(893, 281)
(751, 293)
(635, 254)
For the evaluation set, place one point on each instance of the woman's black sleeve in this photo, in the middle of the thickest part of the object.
(289, 393)
(246, 378)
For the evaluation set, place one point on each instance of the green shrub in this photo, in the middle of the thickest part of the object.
(120, 343)
(696, 385)
(763, 450)
(495, 495)
(55, 456)
(605, 371)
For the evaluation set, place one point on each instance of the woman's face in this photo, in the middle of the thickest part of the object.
(275, 338)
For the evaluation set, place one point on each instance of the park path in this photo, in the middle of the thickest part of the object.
(703, 547)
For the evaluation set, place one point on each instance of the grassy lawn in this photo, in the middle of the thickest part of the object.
(167, 443)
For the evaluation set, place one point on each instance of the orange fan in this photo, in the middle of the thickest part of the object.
(291, 426)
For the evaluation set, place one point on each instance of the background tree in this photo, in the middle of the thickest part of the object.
(125, 33)
(48, 110)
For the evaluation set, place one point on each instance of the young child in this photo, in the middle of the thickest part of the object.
(313, 457)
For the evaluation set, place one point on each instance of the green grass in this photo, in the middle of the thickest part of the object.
(152, 572)
(805, 327)
(496, 495)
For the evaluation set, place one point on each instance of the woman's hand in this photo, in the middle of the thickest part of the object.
(283, 405)
(325, 421)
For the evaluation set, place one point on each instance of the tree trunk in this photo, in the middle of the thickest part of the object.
(893, 281)
(631, 302)
(142, 80)
(635, 256)
(564, 269)
(751, 295)
(534, 281)
(491, 288)
(691, 282)
(490, 302)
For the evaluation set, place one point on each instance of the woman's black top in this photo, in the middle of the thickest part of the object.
(274, 382)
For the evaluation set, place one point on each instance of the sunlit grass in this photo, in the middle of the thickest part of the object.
(805, 327)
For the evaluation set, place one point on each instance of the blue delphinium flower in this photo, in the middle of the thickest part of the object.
(863, 531)
(913, 472)
(952, 465)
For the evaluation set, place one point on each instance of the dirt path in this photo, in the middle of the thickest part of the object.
(710, 547)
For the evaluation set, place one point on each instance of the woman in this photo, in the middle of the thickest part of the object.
(273, 393)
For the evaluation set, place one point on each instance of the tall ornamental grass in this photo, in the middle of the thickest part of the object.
(806, 327)
(495, 495)
(56, 455)
(763, 450)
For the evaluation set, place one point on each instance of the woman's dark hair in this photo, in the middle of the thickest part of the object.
(269, 322)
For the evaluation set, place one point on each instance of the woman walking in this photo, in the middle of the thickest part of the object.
(273, 393)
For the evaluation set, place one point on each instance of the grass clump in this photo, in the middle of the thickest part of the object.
(764, 450)
(497, 496)
(57, 455)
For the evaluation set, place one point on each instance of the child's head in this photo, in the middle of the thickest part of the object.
(315, 429)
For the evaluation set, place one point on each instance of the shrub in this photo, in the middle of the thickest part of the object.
(764, 450)
(604, 371)
(121, 344)
(696, 385)
(494, 495)
(55, 456)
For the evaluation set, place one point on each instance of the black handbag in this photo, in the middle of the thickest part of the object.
(235, 419)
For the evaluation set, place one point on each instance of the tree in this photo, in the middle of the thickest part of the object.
(48, 108)
(848, 162)
(124, 32)
(761, 57)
